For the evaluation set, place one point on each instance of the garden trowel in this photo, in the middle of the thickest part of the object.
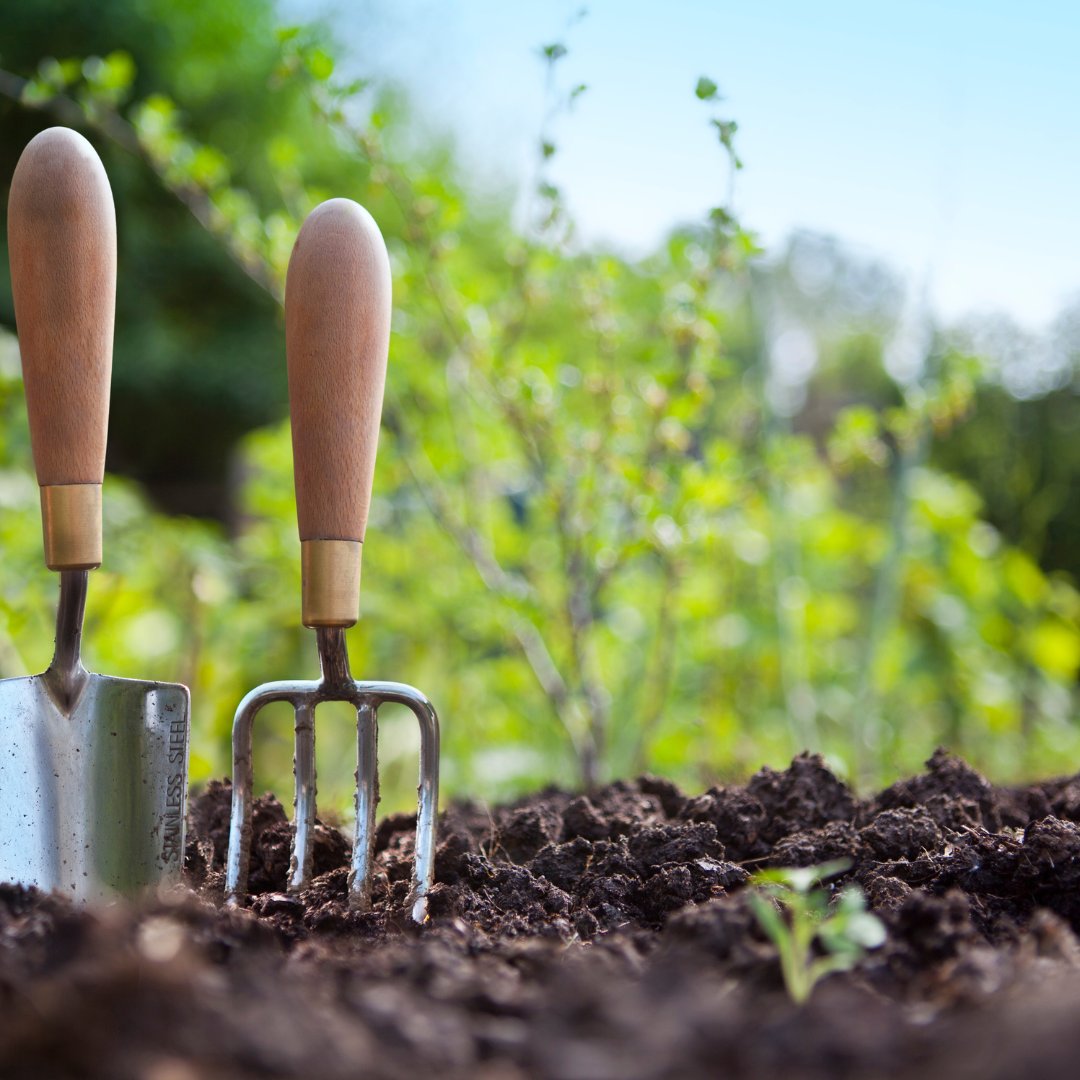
(93, 770)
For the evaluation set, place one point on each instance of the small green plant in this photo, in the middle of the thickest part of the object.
(812, 937)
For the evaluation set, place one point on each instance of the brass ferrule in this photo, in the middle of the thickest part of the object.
(330, 573)
(71, 526)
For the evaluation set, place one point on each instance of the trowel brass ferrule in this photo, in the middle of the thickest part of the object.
(71, 526)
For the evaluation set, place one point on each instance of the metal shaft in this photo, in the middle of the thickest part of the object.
(334, 659)
(66, 675)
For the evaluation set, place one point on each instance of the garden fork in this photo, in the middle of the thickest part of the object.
(337, 330)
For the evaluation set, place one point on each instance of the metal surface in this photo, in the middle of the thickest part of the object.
(93, 772)
(336, 684)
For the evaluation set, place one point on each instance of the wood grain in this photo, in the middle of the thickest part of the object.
(337, 335)
(62, 241)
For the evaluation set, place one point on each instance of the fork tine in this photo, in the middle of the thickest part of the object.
(428, 792)
(239, 855)
(367, 801)
(304, 771)
(238, 858)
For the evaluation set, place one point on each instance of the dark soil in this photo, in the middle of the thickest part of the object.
(580, 938)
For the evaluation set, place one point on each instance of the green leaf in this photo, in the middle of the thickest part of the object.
(726, 130)
(554, 52)
(867, 930)
(769, 917)
(851, 901)
(208, 167)
(70, 70)
(1054, 646)
(351, 89)
(706, 89)
(319, 63)
(801, 879)
(37, 92)
(283, 152)
(56, 74)
(117, 71)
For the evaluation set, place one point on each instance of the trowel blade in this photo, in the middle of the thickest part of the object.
(92, 799)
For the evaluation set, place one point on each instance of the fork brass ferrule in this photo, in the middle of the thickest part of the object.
(330, 576)
(71, 526)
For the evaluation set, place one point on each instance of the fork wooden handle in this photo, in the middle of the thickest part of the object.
(337, 335)
(62, 242)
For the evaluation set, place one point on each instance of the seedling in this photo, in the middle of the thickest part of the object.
(813, 938)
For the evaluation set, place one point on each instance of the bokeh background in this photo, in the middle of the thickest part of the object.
(732, 406)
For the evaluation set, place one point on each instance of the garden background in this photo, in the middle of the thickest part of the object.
(688, 512)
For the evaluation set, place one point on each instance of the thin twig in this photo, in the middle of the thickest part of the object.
(663, 665)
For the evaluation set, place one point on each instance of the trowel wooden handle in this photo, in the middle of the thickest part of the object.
(62, 242)
(337, 335)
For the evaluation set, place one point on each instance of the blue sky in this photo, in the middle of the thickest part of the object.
(942, 137)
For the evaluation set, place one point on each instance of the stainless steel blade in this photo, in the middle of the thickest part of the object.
(92, 800)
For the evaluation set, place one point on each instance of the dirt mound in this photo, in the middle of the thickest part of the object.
(607, 935)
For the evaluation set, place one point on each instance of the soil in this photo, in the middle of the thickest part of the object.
(585, 938)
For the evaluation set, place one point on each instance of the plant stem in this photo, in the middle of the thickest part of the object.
(866, 712)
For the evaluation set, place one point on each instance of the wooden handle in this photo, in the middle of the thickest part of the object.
(62, 242)
(337, 335)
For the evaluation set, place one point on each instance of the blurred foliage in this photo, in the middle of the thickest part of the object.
(1025, 456)
(683, 513)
